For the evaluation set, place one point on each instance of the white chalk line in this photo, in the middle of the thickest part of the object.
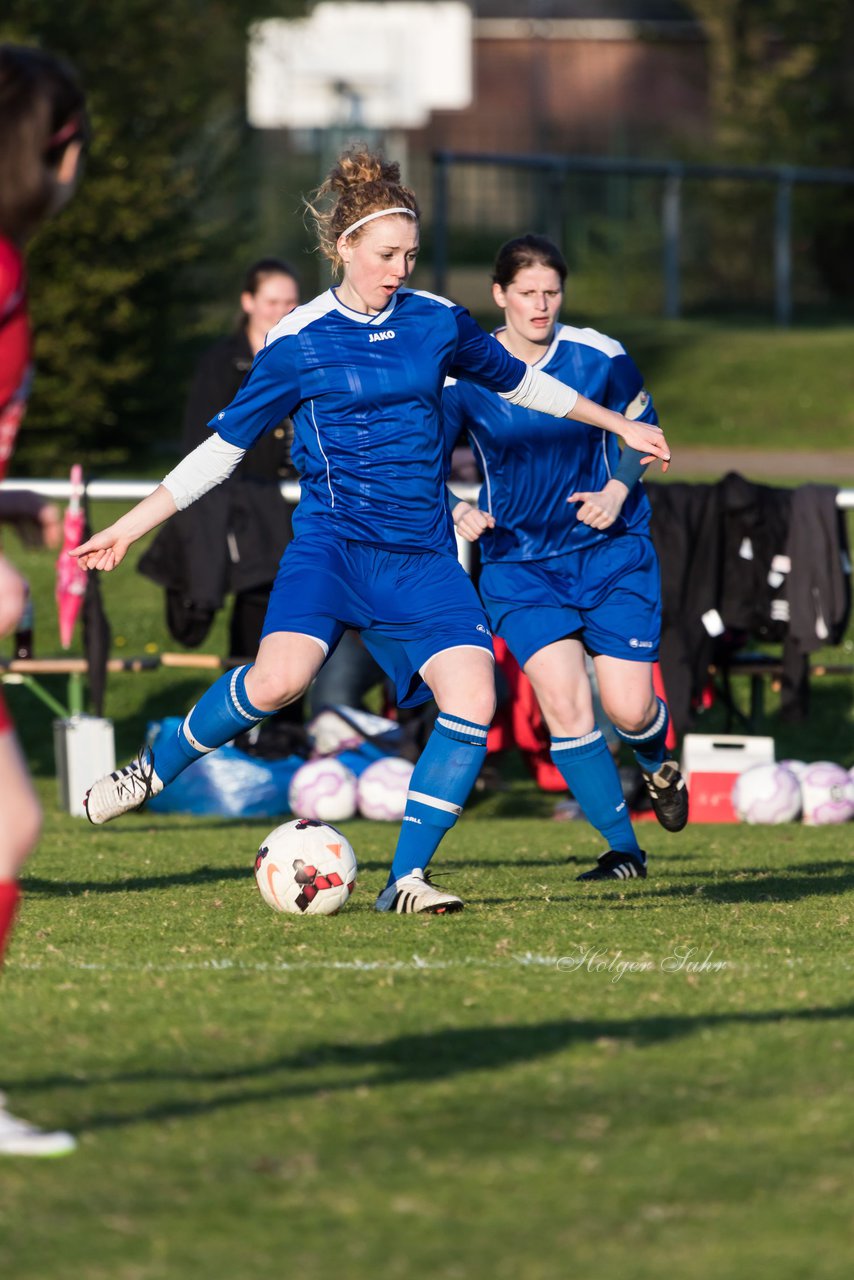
(415, 964)
(605, 963)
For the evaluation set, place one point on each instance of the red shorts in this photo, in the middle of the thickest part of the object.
(5, 718)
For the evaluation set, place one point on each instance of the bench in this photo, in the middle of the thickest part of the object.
(759, 668)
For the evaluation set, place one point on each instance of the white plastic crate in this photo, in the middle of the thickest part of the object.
(711, 763)
(85, 749)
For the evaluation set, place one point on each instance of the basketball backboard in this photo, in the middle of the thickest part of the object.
(360, 62)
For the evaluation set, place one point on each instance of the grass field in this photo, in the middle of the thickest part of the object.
(541, 1086)
(489, 1095)
(729, 386)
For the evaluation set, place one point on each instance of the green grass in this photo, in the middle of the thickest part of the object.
(367, 1097)
(736, 385)
(363, 1096)
(748, 386)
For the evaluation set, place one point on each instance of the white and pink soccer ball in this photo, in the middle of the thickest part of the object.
(767, 793)
(383, 788)
(323, 790)
(827, 791)
(305, 868)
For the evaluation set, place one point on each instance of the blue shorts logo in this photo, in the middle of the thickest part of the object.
(634, 643)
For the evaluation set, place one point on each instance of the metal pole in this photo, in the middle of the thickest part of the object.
(671, 223)
(440, 223)
(783, 250)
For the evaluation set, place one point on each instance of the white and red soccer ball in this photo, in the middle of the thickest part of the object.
(767, 793)
(827, 791)
(324, 790)
(383, 788)
(306, 868)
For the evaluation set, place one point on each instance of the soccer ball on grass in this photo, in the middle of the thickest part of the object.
(306, 868)
(766, 793)
(828, 794)
(324, 790)
(383, 788)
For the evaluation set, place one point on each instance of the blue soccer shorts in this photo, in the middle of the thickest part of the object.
(408, 605)
(608, 596)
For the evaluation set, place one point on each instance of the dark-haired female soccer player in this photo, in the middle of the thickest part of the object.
(360, 369)
(568, 564)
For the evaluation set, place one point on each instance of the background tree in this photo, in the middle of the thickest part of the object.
(781, 88)
(116, 281)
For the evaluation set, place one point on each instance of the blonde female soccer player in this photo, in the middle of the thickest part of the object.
(360, 369)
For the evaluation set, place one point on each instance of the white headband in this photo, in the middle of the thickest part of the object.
(380, 213)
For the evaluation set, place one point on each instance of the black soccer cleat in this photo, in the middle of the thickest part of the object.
(617, 866)
(669, 795)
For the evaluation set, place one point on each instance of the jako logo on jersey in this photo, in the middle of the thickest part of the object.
(634, 643)
(382, 335)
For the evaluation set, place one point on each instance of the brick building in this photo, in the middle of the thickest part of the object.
(621, 77)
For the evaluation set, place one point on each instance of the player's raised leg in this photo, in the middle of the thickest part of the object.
(286, 664)
(462, 682)
(641, 720)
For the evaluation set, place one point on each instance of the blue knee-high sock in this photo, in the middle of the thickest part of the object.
(440, 785)
(218, 716)
(591, 775)
(650, 746)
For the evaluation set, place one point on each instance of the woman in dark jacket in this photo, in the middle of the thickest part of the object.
(233, 538)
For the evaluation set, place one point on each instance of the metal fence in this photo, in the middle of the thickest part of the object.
(131, 491)
(654, 237)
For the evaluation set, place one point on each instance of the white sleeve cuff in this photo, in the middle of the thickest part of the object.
(542, 392)
(207, 466)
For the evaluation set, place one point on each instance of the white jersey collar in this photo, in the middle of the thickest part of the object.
(362, 317)
(547, 355)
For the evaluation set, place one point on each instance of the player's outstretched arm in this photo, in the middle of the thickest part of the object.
(107, 549)
(647, 439)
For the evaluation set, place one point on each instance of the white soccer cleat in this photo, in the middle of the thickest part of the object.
(123, 791)
(18, 1138)
(416, 892)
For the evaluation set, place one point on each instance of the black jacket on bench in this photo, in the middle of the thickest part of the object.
(771, 563)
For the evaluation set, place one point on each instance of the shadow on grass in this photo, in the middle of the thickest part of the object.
(782, 884)
(38, 887)
(410, 1059)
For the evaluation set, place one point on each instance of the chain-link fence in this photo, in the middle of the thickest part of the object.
(644, 237)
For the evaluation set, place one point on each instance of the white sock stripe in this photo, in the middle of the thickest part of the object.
(232, 689)
(462, 726)
(568, 744)
(434, 802)
(193, 741)
(656, 727)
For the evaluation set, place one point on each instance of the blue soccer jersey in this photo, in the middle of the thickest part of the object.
(532, 462)
(365, 395)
